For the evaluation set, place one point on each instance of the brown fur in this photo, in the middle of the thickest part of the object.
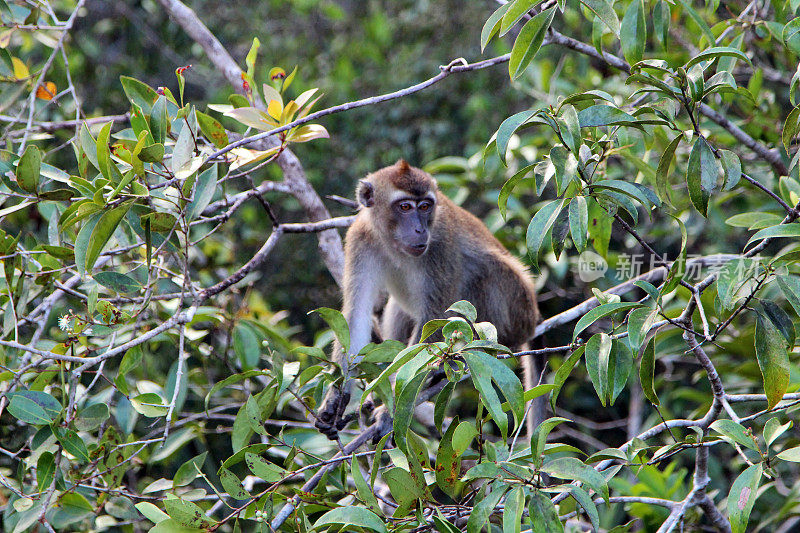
(463, 261)
(466, 260)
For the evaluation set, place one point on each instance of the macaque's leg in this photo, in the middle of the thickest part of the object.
(396, 323)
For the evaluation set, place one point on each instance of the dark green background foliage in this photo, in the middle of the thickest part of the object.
(155, 372)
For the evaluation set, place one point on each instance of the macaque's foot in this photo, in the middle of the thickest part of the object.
(330, 416)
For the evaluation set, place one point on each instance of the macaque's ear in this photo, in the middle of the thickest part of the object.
(365, 193)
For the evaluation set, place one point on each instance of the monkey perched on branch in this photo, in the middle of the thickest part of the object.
(413, 243)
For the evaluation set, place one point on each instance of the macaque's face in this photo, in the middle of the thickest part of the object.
(411, 217)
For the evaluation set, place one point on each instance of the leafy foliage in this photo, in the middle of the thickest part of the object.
(170, 395)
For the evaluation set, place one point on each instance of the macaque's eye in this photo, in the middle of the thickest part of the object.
(424, 206)
(406, 207)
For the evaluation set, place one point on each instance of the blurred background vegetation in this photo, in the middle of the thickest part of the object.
(355, 49)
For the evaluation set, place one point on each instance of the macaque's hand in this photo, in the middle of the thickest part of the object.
(379, 415)
(330, 417)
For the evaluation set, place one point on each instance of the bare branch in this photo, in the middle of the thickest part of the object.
(330, 243)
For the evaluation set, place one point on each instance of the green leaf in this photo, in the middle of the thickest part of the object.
(707, 33)
(508, 186)
(29, 168)
(101, 233)
(529, 41)
(647, 371)
(517, 9)
(189, 470)
(661, 20)
(637, 191)
(29, 411)
(153, 153)
(572, 135)
(72, 444)
(118, 282)
(263, 469)
(619, 368)
(539, 438)
(543, 514)
(731, 169)
(151, 512)
(404, 409)
(204, 190)
(735, 432)
(599, 312)
(701, 175)
(150, 405)
(507, 129)
(790, 285)
(338, 324)
(405, 488)
(598, 351)
(365, 493)
(742, 497)
(463, 436)
(780, 319)
(780, 231)
(103, 151)
(754, 220)
(564, 372)
(791, 35)
(139, 93)
(605, 12)
(633, 32)
(465, 309)
(159, 119)
(484, 369)
(232, 485)
(91, 417)
(492, 25)
(351, 516)
(448, 464)
(132, 359)
(512, 512)
(73, 507)
(45, 471)
(246, 346)
(773, 360)
(715, 52)
(774, 429)
(792, 454)
(578, 222)
(171, 525)
(402, 358)
(484, 509)
(539, 226)
(585, 501)
(639, 322)
(731, 278)
(212, 129)
(253, 416)
(790, 127)
(187, 513)
(604, 115)
(572, 468)
(51, 406)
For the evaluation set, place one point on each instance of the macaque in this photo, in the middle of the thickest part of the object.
(412, 243)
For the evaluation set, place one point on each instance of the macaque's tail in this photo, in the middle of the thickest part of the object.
(532, 375)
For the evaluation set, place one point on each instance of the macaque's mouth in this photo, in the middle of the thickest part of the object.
(417, 249)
